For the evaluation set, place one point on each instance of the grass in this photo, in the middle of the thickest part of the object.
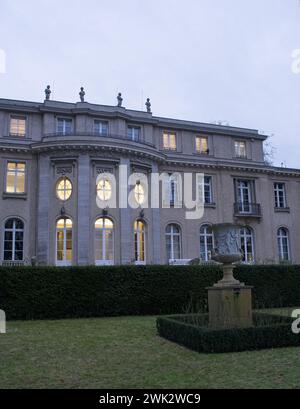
(127, 353)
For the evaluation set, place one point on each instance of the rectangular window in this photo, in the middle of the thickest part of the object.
(240, 149)
(64, 126)
(101, 128)
(208, 190)
(202, 145)
(15, 177)
(169, 141)
(17, 126)
(244, 193)
(280, 195)
(134, 133)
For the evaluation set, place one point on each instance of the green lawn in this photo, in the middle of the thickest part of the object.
(127, 353)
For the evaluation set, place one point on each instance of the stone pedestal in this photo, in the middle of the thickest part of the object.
(230, 306)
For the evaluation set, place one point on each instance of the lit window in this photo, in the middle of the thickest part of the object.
(139, 242)
(64, 126)
(206, 243)
(173, 242)
(64, 189)
(64, 242)
(283, 245)
(139, 193)
(13, 240)
(17, 126)
(280, 195)
(104, 242)
(101, 128)
(15, 177)
(202, 145)
(104, 190)
(169, 141)
(240, 149)
(247, 246)
(134, 133)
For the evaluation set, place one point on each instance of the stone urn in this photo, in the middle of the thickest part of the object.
(227, 251)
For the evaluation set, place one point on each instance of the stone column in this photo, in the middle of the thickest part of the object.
(156, 239)
(126, 226)
(43, 210)
(83, 213)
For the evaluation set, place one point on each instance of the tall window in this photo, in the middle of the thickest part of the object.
(240, 149)
(15, 177)
(104, 190)
(280, 195)
(208, 199)
(101, 128)
(206, 242)
(139, 193)
(247, 245)
(17, 126)
(283, 245)
(64, 126)
(134, 133)
(14, 240)
(139, 242)
(244, 195)
(202, 145)
(173, 242)
(104, 242)
(169, 141)
(64, 189)
(64, 242)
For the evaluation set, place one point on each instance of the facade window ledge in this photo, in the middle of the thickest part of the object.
(282, 209)
(210, 205)
(22, 196)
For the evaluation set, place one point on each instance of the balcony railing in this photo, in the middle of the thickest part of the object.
(99, 135)
(247, 209)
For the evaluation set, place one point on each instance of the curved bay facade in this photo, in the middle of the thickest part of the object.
(52, 153)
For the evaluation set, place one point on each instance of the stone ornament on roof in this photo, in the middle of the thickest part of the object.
(48, 92)
(82, 94)
(120, 100)
(148, 105)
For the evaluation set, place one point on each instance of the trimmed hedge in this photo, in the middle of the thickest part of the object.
(192, 331)
(51, 292)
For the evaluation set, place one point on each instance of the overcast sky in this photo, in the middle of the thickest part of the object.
(203, 60)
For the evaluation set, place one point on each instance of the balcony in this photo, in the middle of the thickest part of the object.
(247, 210)
(95, 135)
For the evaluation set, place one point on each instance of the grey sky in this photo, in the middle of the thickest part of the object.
(203, 60)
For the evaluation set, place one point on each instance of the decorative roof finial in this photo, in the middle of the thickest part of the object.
(82, 94)
(120, 99)
(48, 92)
(148, 105)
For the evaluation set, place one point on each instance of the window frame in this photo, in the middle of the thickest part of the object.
(101, 121)
(134, 127)
(13, 231)
(206, 235)
(15, 193)
(65, 229)
(103, 230)
(63, 179)
(280, 245)
(137, 240)
(169, 147)
(202, 152)
(171, 234)
(246, 236)
(18, 117)
(277, 191)
(236, 154)
(65, 119)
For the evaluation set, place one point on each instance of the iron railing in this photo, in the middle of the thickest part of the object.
(245, 209)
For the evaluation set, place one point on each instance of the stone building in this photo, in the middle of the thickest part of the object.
(51, 156)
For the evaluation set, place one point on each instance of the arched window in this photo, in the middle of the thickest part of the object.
(104, 189)
(64, 242)
(173, 242)
(64, 189)
(206, 242)
(139, 242)
(283, 244)
(104, 242)
(247, 245)
(14, 240)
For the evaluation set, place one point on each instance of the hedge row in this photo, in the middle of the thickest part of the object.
(193, 332)
(50, 292)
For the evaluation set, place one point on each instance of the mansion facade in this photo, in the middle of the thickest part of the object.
(51, 156)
